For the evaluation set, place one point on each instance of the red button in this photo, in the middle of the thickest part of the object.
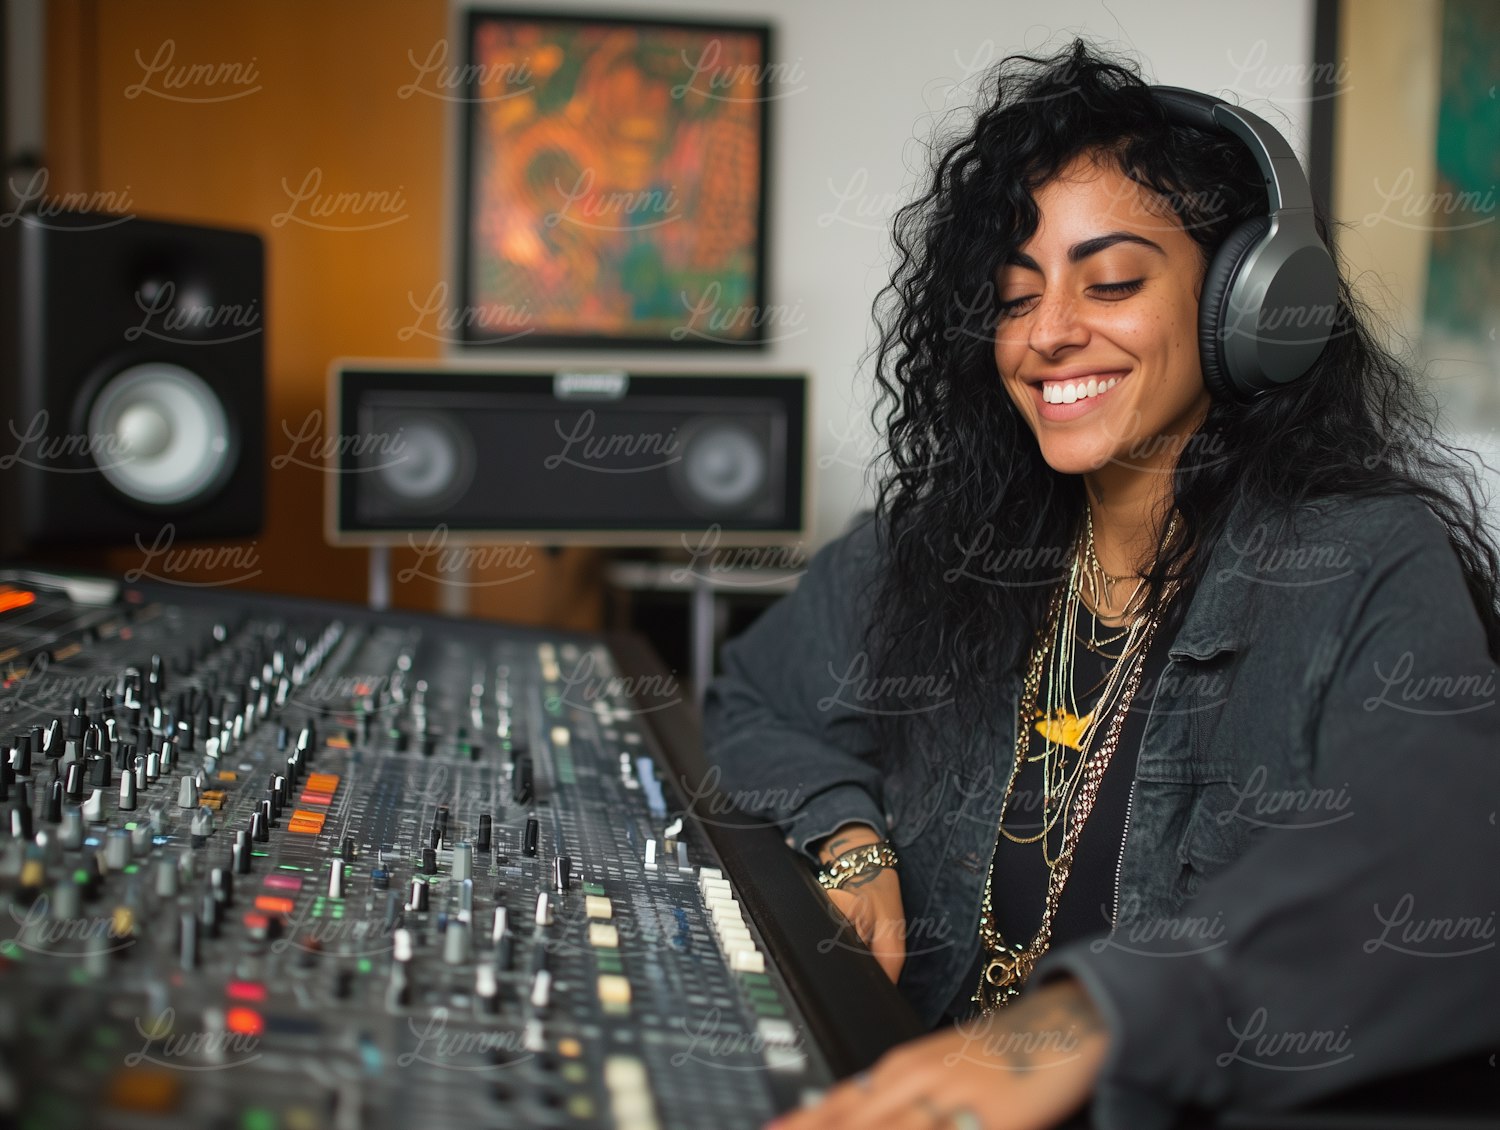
(246, 991)
(245, 1021)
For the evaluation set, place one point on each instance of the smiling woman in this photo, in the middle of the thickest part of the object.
(1104, 294)
(1174, 534)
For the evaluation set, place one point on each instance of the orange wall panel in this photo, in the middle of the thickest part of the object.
(298, 121)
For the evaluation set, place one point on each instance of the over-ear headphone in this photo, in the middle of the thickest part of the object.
(1271, 290)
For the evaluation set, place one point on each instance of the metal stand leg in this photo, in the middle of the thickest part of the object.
(453, 595)
(380, 578)
(703, 638)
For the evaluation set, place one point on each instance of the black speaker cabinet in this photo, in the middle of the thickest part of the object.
(132, 380)
(597, 457)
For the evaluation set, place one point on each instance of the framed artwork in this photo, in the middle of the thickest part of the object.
(1404, 126)
(613, 182)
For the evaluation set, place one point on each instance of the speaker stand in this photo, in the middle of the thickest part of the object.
(380, 578)
(709, 595)
(703, 623)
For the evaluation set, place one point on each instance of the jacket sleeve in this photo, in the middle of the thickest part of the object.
(1351, 948)
(785, 731)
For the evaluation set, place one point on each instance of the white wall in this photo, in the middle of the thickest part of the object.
(871, 79)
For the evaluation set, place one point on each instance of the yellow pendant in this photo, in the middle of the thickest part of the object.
(1064, 728)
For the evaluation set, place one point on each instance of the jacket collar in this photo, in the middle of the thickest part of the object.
(1215, 619)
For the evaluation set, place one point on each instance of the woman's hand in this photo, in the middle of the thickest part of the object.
(1027, 1066)
(871, 901)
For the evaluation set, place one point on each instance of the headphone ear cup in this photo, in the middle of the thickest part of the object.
(1222, 383)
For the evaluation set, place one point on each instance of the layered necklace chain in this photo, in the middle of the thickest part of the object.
(1070, 790)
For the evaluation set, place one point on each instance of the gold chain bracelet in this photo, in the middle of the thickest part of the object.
(856, 861)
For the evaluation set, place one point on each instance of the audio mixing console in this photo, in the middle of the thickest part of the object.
(273, 863)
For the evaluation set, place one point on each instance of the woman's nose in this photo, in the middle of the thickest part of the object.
(1055, 324)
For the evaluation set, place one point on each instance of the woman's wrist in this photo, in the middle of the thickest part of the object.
(845, 838)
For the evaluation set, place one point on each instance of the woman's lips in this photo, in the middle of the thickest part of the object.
(1058, 413)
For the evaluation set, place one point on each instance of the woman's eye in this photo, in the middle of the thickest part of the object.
(1013, 307)
(1121, 288)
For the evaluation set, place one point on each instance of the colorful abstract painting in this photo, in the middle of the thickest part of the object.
(615, 182)
(1463, 280)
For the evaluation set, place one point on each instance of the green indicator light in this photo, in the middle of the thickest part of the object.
(257, 1118)
(364, 965)
(282, 866)
(131, 868)
(130, 827)
(80, 876)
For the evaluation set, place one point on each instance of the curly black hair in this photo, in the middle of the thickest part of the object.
(960, 458)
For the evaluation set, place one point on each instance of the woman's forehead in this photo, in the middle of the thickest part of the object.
(1087, 194)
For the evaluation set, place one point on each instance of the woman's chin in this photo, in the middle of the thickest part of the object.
(1075, 459)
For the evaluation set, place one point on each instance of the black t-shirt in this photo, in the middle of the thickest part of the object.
(1087, 905)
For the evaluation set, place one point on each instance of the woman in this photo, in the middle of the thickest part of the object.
(1247, 641)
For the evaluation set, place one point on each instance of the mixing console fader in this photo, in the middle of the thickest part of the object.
(270, 863)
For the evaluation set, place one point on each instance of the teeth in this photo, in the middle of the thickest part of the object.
(1067, 392)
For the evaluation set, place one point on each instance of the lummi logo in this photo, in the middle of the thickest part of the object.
(172, 81)
(208, 1050)
(1287, 1050)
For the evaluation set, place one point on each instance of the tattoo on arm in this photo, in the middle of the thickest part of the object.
(1040, 1026)
(868, 876)
(836, 845)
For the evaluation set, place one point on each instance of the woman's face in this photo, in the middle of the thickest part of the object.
(1106, 289)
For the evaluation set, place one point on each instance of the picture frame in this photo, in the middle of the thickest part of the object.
(1403, 109)
(614, 182)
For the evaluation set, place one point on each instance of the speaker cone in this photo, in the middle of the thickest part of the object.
(159, 435)
(724, 465)
(432, 464)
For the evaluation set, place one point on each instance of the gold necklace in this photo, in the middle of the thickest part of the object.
(1101, 584)
(1097, 645)
(1067, 727)
(1009, 965)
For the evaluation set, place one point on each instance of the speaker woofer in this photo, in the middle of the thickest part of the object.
(434, 464)
(159, 435)
(724, 466)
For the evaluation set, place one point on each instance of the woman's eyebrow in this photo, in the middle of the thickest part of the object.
(1084, 248)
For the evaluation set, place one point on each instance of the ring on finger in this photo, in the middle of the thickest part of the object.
(962, 1118)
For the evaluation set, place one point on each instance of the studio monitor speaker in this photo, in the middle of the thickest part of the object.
(599, 457)
(132, 381)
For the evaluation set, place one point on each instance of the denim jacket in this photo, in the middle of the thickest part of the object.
(1307, 887)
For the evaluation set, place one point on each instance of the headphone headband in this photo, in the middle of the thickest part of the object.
(1286, 185)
